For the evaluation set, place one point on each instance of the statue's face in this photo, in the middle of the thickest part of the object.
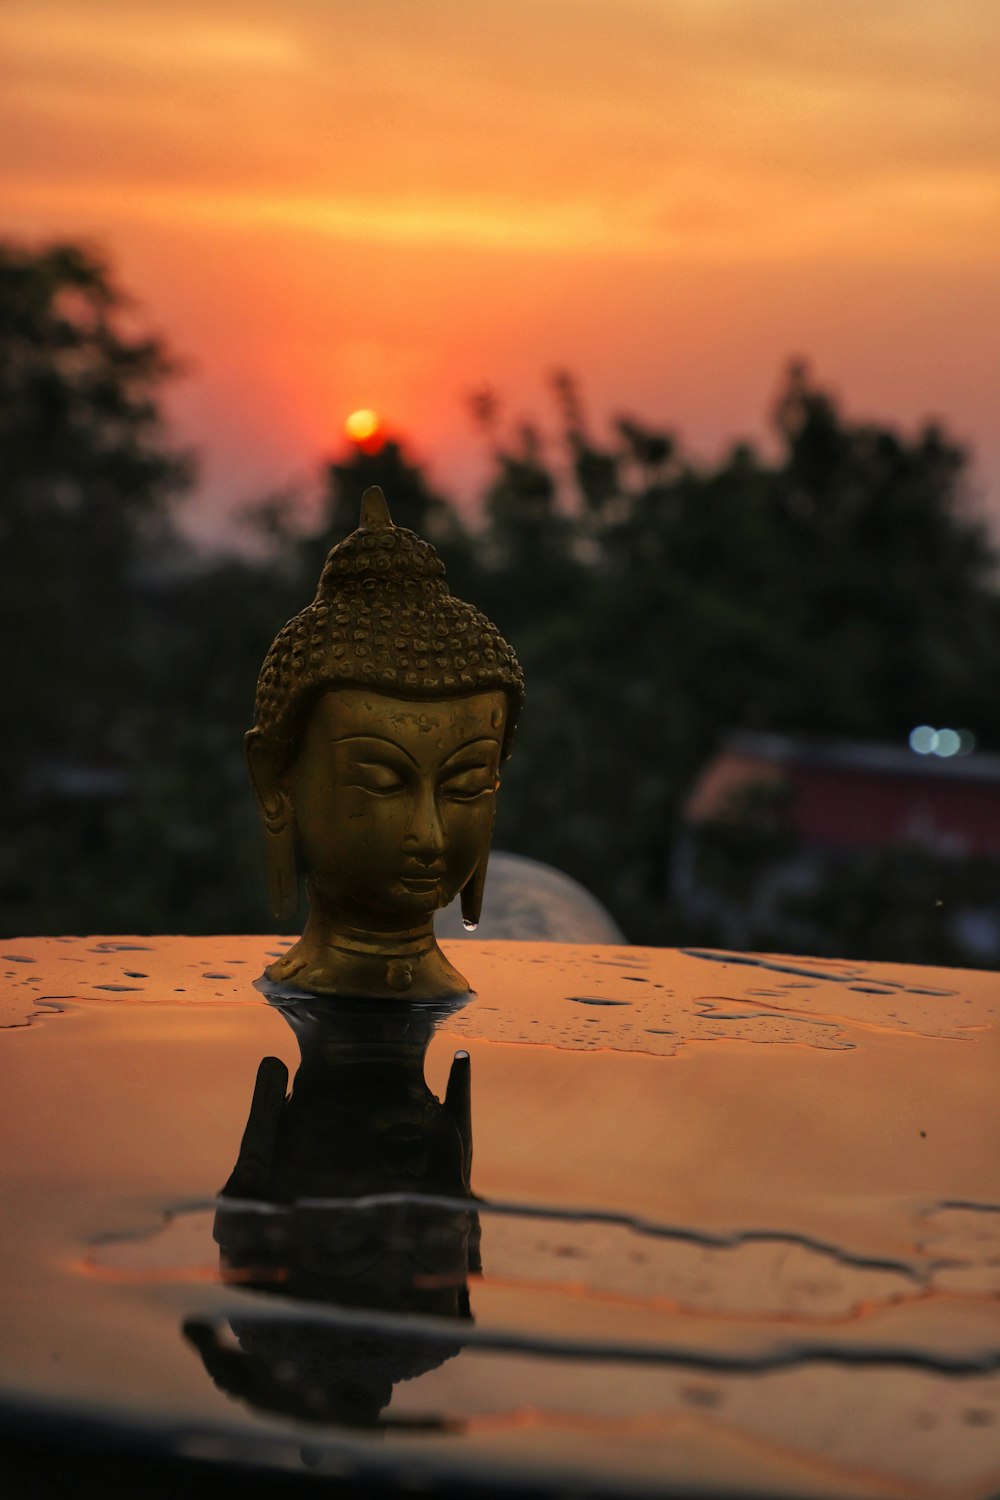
(394, 799)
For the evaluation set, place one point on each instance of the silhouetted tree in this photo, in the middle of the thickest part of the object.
(86, 474)
(844, 587)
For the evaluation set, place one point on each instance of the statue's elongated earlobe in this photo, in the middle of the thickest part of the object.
(282, 873)
(278, 817)
(472, 891)
(472, 894)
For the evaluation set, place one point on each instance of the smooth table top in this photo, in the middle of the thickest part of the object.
(732, 1222)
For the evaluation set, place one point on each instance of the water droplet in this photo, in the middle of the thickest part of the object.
(469, 924)
(595, 1000)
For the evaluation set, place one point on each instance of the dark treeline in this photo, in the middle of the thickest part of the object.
(840, 587)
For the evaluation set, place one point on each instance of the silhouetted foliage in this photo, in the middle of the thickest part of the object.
(839, 587)
(128, 664)
(85, 477)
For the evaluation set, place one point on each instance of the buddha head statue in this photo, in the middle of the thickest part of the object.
(384, 710)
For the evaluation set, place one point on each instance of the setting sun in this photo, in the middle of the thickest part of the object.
(361, 426)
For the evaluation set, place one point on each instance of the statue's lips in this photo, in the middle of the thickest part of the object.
(421, 883)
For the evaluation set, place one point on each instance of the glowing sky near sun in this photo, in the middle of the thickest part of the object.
(330, 206)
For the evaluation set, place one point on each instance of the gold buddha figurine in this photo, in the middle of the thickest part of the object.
(384, 710)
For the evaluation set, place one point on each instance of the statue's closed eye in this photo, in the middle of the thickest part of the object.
(378, 779)
(463, 786)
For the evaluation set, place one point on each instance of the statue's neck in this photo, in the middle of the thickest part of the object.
(336, 956)
(328, 927)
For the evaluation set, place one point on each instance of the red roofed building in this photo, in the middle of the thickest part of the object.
(842, 794)
(803, 809)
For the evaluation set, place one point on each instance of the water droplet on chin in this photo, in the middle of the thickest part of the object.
(469, 924)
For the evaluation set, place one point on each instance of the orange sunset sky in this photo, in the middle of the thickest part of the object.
(328, 205)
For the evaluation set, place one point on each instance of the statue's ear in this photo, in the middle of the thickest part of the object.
(472, 894)
(277, 813)
(471, 899)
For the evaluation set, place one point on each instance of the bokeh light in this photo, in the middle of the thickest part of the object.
(923, 739)
(926, 740)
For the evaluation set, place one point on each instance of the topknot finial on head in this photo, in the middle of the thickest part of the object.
(374, 509)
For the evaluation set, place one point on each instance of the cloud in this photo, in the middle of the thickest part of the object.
(603, 100)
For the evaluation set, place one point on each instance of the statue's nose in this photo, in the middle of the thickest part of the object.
(426, 839)
(423, 853)
(427, 858)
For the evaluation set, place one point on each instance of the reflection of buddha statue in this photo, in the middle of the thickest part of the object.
(384, 710)
(349, 1197)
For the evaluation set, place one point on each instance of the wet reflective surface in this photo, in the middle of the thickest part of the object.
(630, 1218)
